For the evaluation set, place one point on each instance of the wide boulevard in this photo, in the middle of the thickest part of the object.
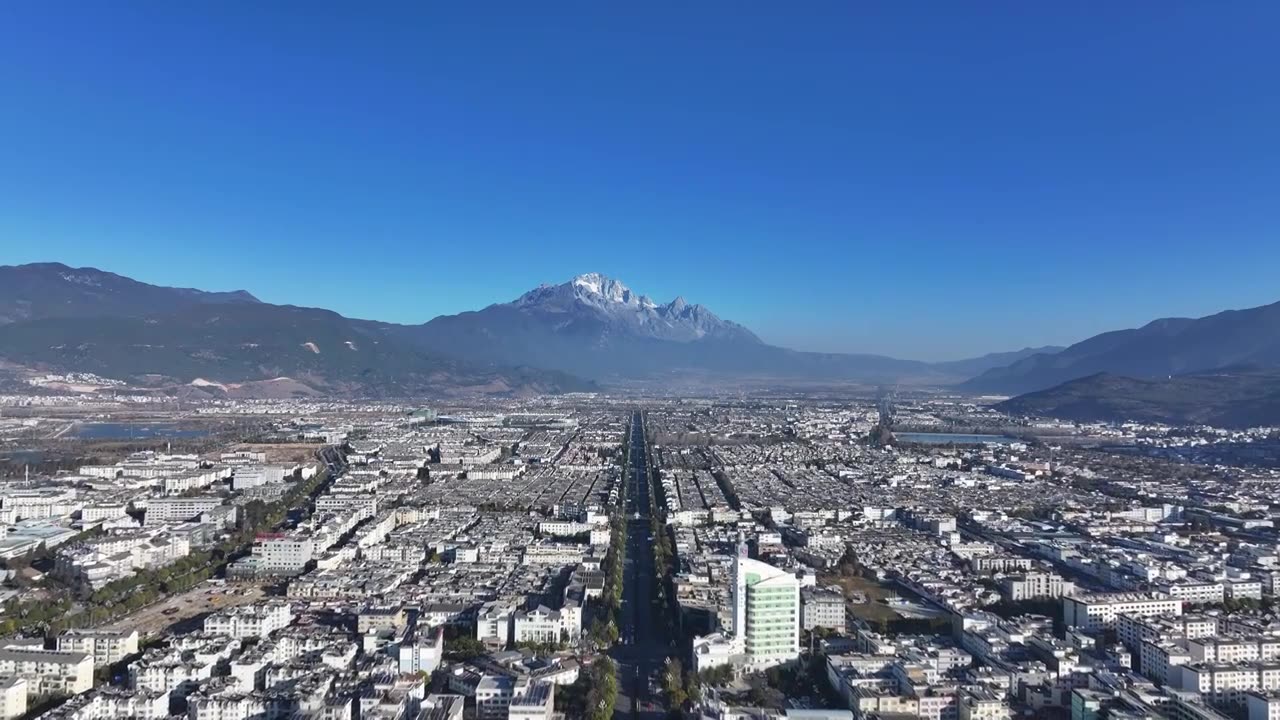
(643, 643)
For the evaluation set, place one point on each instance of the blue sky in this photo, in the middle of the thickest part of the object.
(929, 180)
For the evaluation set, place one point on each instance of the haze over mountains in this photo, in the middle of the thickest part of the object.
(588, 332)
(597, 327)
(553, 338)
(1230, 398)
(56, 318)
(1161, 348)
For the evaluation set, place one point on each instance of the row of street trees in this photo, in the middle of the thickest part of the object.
(604, 629)
(603, 692)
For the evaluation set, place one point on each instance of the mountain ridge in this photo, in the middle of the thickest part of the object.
(39, 290)
(614, 303)
(595, 326)
(1237, 397)
(591, 326)
(1161, 348)
(155, 336)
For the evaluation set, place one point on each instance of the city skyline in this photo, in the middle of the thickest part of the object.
(838, 180)
(676, 361)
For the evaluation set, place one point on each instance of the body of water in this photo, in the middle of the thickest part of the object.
(133, 431)
(23, 456)
(953, 439)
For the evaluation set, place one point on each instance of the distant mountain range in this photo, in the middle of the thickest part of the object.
(1159, 349)
(1231, 398)
(56, 318)
(589, 332)
(53, 290)
(597, 327)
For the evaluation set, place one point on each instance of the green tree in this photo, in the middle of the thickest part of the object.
(673, 683)
(464, 647)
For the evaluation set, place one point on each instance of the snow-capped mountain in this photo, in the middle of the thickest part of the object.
(596, 327)
(595, 298)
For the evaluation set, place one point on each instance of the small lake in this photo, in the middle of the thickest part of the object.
(23, 456)
(133, 431)
(953, 439)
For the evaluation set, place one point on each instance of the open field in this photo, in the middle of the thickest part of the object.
(874, 610)
(283, 452)
(187, 606)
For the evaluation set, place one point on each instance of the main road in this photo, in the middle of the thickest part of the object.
(643, 642)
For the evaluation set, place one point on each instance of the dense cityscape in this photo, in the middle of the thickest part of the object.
(597, 556)
(639, 361)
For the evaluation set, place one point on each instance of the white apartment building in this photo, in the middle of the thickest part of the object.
(13, 698)
(48, 672)
(1241, 589)
(976, 704)
(1233, 649)
(283, 554)
(493, 623)
(106, 647)
(103, 511)
(188, 480)
(1161, 661)
(539, 625)
(1000, 563)
(179, 669)
(169, 675)
(422, 653)
(40, 503)
(98, 562)
(231, 706)
(1132, 630)
(493, 697)
(564, 528)
(534, 701)
(109, 703)
(366, 503)
(937, 706)
(1218, 683)
(1196, 593)
(251, 476)
(1036, 585)
(164, 511)
(822, 608)
(548, 553)
(1100, 610)
(250, 621)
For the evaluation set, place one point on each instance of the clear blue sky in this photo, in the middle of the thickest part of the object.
(928, 180)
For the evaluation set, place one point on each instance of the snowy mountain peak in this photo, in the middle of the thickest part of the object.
(602, 285)
(604, 300)
(595, 286)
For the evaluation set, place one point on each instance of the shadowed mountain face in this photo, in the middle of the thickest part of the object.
(85, 320)
(1172, 346)
(57, 318)
(1240, 397)
(53, 290)
(597, 327)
